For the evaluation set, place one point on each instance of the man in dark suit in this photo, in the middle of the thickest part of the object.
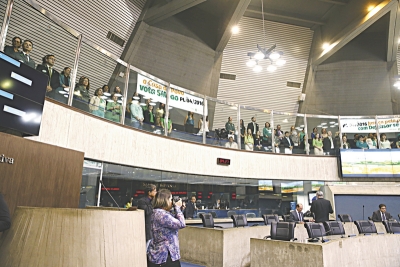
(253, 126)
(25, 55)
(381, 214)
(321, 208)
(286, 142)
(47, 68)
(145, 204)
(190, 208)
(328, 144)
(13, 50)
(297, 214)
(5, 219)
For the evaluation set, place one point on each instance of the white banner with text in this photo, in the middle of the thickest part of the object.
(369, 125)
(178, 99)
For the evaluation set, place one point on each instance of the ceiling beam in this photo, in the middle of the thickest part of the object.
(157, 14)
(334, 2)
(356, 28)
(234, 20)
(281, 16)
(394, 33)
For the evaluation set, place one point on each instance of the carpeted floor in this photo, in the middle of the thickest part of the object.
(185, 264)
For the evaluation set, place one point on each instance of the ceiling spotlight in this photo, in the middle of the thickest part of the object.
(370, 8)
(325, 46)
(271, 68)
(251, 63)
(257, 68)
(274, 56)
(280, 62)
(235, 29)
(259, 55)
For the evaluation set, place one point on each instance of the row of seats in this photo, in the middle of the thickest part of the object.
(285, 230)
(230, 213)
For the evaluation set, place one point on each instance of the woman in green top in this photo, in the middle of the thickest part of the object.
(97, 104)
(248, 140)
(169, 124)
(114, 109)
(317, 144)
(267, 135)
(302, 134)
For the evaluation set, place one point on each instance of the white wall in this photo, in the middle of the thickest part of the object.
(263, 90)
(105, 141)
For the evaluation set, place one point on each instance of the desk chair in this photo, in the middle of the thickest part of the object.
(214, 214)
(282, 231)
(315, 230)
(250, 215)
(239, 220)
(334, 228)
(268, 218)
(230, 213)
(345, 218)
(392, 227)
(208, 220)
(200, 213)
(286, 218)
(365, 227)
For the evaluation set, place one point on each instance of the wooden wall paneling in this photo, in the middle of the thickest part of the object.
(42, 175)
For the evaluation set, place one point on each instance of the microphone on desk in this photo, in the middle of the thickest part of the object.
(101, 182)
(363, 212)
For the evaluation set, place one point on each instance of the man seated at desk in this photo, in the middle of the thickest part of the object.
(381, 214)
(297, 214)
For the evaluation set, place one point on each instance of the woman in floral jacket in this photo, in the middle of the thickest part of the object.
(163, 249)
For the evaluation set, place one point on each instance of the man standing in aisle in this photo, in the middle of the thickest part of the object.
(191, 208)
(145, 204)
(321, 208)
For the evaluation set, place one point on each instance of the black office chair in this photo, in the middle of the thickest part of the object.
(268, 218)
(250, 215)
(230, 213)
(286, 218)
(392, 227)
(214, 214)
(200, 213)
(334, 228)
(315, 230)
(345, 218)
(365, 227)
(208, 221)
(239, 220)
(282, 231)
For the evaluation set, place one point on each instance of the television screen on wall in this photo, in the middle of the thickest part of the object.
(312, 196)
(22, 94)
(265, 185)
(370, 163)
(292, 187)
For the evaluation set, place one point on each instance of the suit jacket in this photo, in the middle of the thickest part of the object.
(5, 219)
(327, 144)
(145, 204)
(376, 216)
(54, 81)
(251, 127)
(22, 58)
(190, 209)
(294, 218)
(321, 209)
(147, 116)
(9, 51)
(286, 143)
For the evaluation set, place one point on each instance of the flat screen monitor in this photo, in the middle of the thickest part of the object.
(292, 187)
(22, 94)
(312, 196)
(265, 185)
